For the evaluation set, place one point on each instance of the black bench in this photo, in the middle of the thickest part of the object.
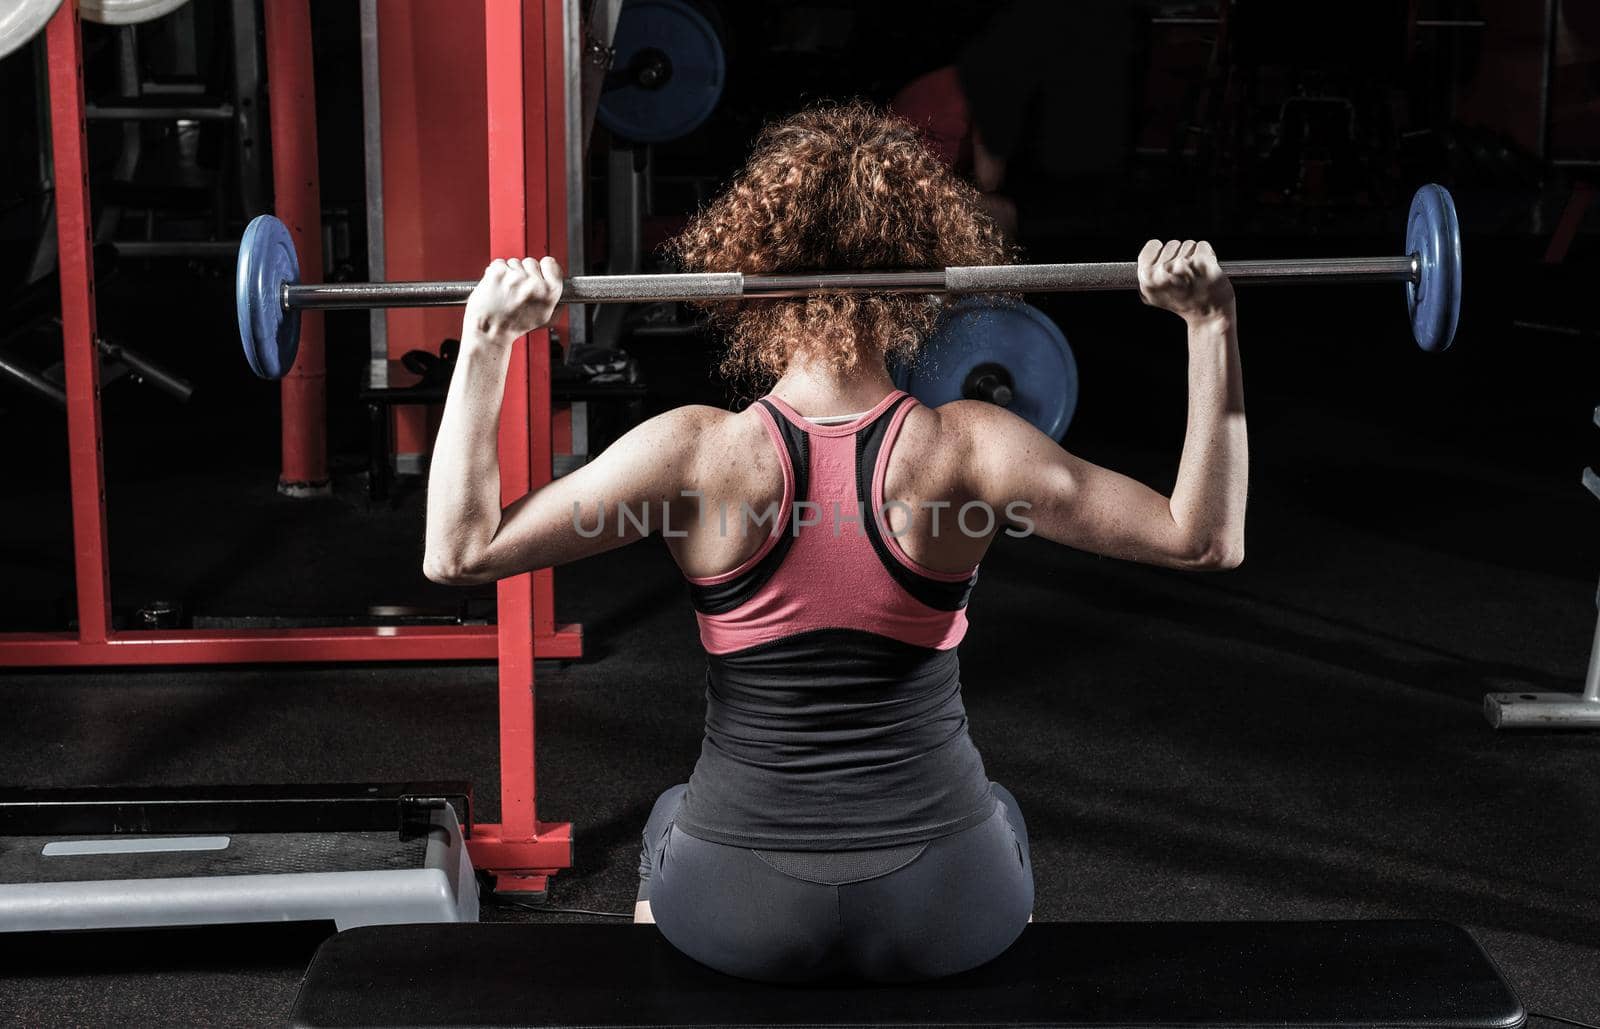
(1393, 974)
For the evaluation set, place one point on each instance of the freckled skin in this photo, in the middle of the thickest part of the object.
(958, 453)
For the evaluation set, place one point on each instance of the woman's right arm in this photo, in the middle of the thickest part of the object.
(1071, 501)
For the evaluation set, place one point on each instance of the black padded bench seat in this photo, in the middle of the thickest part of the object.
(1394, 974)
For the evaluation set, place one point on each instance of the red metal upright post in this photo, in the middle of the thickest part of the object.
(80, 358)
(297, 201)
(547, 234)
(508, 221)
(520, 851)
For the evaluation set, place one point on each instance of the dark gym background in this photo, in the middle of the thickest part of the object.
(1300, 738)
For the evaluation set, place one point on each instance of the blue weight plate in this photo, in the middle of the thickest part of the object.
(270, 335)
(1434, 236)
(979, 331)
(684, 49)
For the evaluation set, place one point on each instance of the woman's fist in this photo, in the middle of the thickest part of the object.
(514, 297)
(1184, 278)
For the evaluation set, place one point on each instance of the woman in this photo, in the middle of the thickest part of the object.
(839, 819)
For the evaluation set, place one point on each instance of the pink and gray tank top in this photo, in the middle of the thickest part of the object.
(834, 718)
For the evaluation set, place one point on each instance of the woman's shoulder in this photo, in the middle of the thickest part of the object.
(715, 436)
(964, 423)
(692, 422)
(949, 426)
(958, 443)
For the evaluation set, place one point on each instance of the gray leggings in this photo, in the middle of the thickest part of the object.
(894, 915)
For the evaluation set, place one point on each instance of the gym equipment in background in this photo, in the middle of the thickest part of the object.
(21, 20)
(30, 313)
(121, 858)
(1526, 709)
(666, 72)
(1002, 351)
(1433, 237)
(126, 12)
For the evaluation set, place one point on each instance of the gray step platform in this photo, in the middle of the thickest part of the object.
(137, 880)
(1292, 975)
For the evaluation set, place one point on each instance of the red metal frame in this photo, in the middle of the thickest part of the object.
(263, 646)
(69, 148)
(527, 175)
(521, 851)
(297, 196)
(547, 192)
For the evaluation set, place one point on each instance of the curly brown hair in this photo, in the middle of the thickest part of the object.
(843, 187)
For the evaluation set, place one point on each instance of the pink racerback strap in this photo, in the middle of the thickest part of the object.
(830, 575)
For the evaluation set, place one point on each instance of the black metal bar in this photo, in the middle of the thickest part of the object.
(208, 249)
(1547, 66)
(149, 371)
(159, 112)
(34, 381)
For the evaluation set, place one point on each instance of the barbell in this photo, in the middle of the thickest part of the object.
(269, 295)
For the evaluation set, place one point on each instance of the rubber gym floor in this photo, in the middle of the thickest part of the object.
(1301, 738)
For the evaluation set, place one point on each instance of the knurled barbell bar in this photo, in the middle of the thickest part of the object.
(270, 295)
